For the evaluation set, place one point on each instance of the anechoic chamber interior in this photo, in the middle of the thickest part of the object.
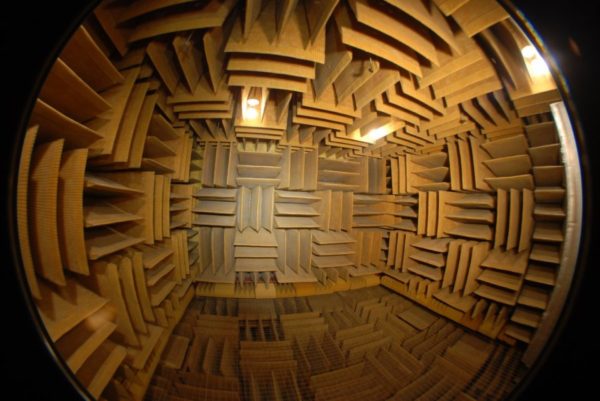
(296, 200)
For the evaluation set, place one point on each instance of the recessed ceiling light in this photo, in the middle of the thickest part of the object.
(536, 66)
(375, 134)
(251, 113)
(528, 52)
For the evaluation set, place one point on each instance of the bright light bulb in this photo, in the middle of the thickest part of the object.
(538, 67)
(252, 102)
(529, 52)
(375, 134)
(251, 113)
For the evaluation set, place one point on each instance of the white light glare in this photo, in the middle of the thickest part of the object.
(375, 134)
(251, 113)
(529, 52)
(252, 102)
(536, 65)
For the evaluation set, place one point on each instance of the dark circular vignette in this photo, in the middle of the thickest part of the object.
(568, 33)
(31, 36)
(565, 40)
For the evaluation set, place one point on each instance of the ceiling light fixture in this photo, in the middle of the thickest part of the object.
(375, 134)
(536, 66)
(253, 103)
(251, 113)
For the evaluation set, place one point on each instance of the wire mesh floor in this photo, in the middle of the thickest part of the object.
(367, 344)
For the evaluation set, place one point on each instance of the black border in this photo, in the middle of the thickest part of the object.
(31, 36)
(32, 32)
